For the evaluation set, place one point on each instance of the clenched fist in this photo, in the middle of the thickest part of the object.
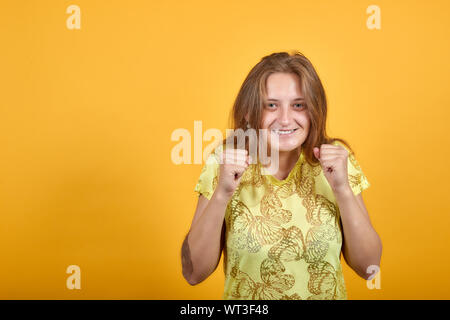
(333, 160)
(233, 163)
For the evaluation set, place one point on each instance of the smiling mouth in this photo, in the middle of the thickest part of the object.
(284, 132)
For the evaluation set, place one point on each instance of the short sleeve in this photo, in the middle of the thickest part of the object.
(357, 179)
(207, 182)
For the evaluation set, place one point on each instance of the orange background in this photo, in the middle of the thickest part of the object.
(86, 117)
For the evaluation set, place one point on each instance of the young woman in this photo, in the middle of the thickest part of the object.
(282, 234)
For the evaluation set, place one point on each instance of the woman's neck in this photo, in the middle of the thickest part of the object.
(286, 162)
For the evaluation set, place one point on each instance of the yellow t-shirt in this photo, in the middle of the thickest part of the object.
(283, 237)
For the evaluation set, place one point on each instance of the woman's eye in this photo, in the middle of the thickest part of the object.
(298, 105)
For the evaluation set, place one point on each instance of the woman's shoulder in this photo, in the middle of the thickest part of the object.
(341, 144)
(214, 156)
(338, 143)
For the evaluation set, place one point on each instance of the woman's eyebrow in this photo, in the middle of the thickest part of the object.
(296, 99)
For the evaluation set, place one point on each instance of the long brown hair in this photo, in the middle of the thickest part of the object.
(249, 99)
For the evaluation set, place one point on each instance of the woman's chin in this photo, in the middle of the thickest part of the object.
(286, 148)
(287, 144)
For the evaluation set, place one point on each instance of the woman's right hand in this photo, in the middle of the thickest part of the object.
(233, 163)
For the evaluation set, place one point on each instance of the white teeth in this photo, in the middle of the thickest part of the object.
(283, 131)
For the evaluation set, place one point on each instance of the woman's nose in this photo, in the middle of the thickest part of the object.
(284, 116)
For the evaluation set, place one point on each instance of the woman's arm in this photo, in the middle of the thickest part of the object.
(202, 247)
(361, 245)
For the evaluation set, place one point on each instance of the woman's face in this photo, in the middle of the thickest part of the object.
(284, 109)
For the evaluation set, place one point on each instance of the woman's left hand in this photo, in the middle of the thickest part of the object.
(333, 160)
